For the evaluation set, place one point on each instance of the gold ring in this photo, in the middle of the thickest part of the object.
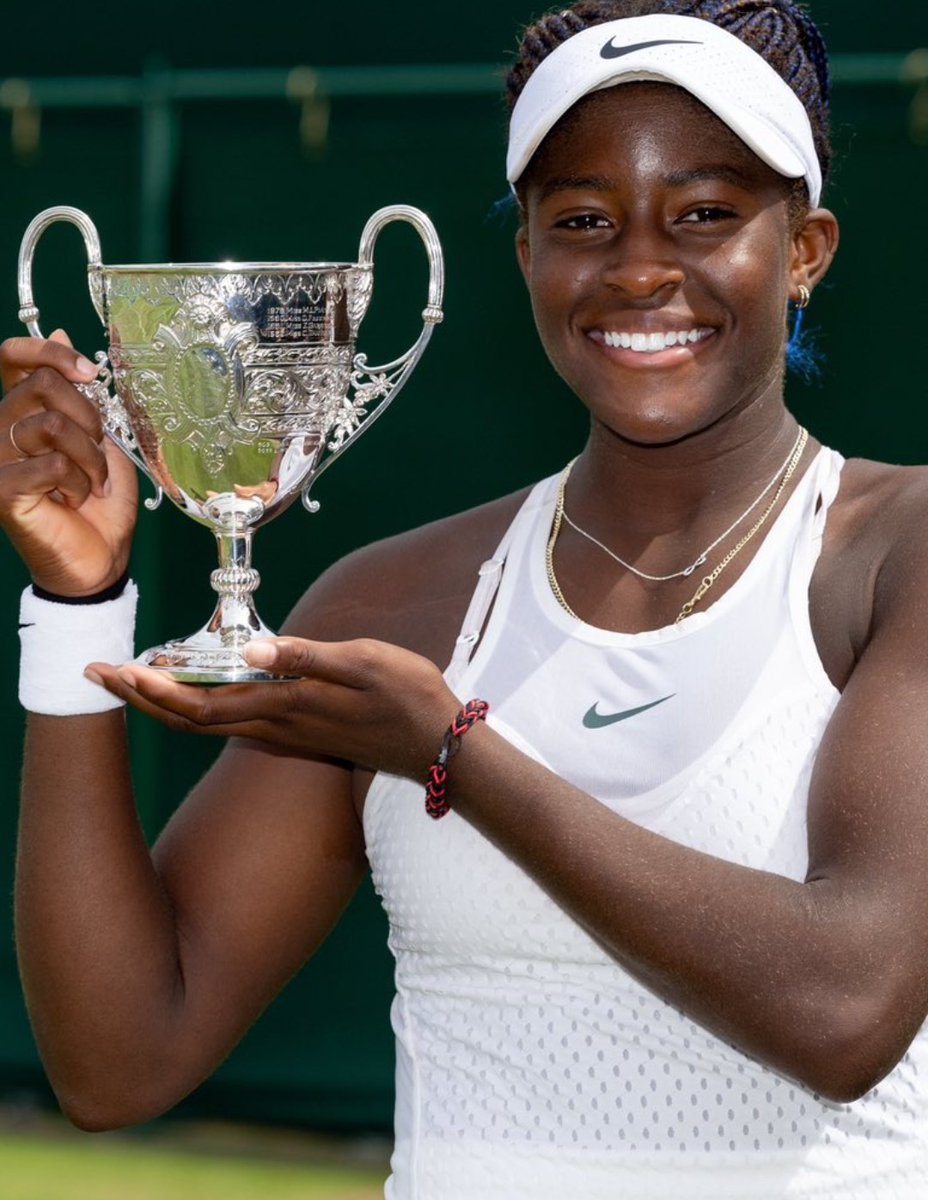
(19, 450)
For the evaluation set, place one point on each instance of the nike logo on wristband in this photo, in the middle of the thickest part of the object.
(612, 51)
(596, 720)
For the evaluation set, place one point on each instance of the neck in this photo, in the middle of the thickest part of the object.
(676, 494)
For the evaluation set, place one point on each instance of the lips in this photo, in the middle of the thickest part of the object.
(653, 341)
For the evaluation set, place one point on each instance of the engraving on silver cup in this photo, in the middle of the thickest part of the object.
(236, 386)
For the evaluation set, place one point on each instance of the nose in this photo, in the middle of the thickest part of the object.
(642, 263)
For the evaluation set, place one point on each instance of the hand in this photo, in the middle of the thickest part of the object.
(364, 701)
(68, 496)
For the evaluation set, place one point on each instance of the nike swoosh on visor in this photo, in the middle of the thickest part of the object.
(612, 51)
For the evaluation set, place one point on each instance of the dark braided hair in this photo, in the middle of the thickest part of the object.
(780, 31)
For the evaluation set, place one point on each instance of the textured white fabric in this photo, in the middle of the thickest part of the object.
(715, 66)
(529, 1064)
(59, 640)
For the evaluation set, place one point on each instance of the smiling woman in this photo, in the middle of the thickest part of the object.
(656, 242)
(669, 938)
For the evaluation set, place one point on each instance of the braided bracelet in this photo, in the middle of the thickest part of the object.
(435, 803)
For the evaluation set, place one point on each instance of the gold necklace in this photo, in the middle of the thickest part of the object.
(703, 557)
(708, 580)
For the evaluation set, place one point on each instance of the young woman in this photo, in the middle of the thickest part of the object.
(671, 939)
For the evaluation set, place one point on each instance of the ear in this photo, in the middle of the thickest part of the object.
(812, 249)
(524, 253)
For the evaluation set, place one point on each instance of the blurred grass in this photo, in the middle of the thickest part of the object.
(85, 1167)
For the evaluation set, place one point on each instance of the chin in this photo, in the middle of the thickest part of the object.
(657, 425)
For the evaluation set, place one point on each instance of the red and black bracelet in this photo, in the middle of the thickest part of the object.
(435, 803)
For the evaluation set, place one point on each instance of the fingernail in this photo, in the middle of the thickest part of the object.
(127, 676)
(260, 654)
(86, 367)
(93, 676)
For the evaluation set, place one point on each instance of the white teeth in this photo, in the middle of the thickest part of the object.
(651, 343)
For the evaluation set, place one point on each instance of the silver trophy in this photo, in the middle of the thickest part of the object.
(236, 386)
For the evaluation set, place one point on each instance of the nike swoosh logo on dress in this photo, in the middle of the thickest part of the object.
(595, 720)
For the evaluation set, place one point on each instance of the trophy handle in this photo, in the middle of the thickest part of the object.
(115, 421)
(383, 382)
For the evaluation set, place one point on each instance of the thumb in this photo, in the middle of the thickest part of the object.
(331, 662)
(60, 336)
(281, 654)
(121, 471)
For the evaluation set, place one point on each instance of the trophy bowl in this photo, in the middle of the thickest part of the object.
(236, 385)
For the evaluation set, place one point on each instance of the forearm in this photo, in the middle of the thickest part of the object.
(783, 969)
(95, 934)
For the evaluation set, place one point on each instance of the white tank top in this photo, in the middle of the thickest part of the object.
(529, 1064)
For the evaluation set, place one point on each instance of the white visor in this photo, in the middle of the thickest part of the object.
(713, 65)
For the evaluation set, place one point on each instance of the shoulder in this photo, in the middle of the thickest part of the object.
(874, 566)
(881, 511)
(412, 589)
(896, 513)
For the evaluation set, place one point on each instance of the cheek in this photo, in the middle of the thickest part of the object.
(751, 281)
(550, 292)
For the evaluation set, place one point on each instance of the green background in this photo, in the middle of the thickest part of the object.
(483, 413)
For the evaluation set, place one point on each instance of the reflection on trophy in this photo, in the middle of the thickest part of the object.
(236, 385)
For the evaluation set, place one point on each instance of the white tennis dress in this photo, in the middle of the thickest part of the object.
(529, 1064)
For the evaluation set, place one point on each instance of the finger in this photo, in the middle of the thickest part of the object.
(132, 684)
(47, 389)
(52, 431)
(43, 475)
(20, 356)
(232, 710)
(351, 664)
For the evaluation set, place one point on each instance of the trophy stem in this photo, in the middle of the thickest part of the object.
(214, 654)
(235, 619)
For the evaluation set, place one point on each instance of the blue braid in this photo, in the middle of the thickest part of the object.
(803, 356)
(501, 209)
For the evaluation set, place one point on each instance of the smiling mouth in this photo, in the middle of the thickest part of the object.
(651, 343)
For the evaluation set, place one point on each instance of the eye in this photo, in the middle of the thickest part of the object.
(707, 214)
(582, 222)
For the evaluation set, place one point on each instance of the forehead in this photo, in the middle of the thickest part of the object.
(633, 124)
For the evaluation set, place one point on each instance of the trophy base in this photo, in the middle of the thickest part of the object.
(208, 666)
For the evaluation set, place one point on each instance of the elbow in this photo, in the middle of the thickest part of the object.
(106, 1103)
(841, 1086)
(846, 1056)
(95, 1114)
(91, 1120)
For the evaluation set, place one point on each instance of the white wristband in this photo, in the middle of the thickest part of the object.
(59, 640)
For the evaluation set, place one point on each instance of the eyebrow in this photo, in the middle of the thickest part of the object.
(724, 172)
(721, 171)
(569, 183)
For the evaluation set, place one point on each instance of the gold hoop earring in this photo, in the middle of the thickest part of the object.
(804, 297)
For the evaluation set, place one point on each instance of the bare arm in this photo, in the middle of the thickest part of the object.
(825, 979)
(141, 971)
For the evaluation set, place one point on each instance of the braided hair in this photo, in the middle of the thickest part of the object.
(780, 31)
